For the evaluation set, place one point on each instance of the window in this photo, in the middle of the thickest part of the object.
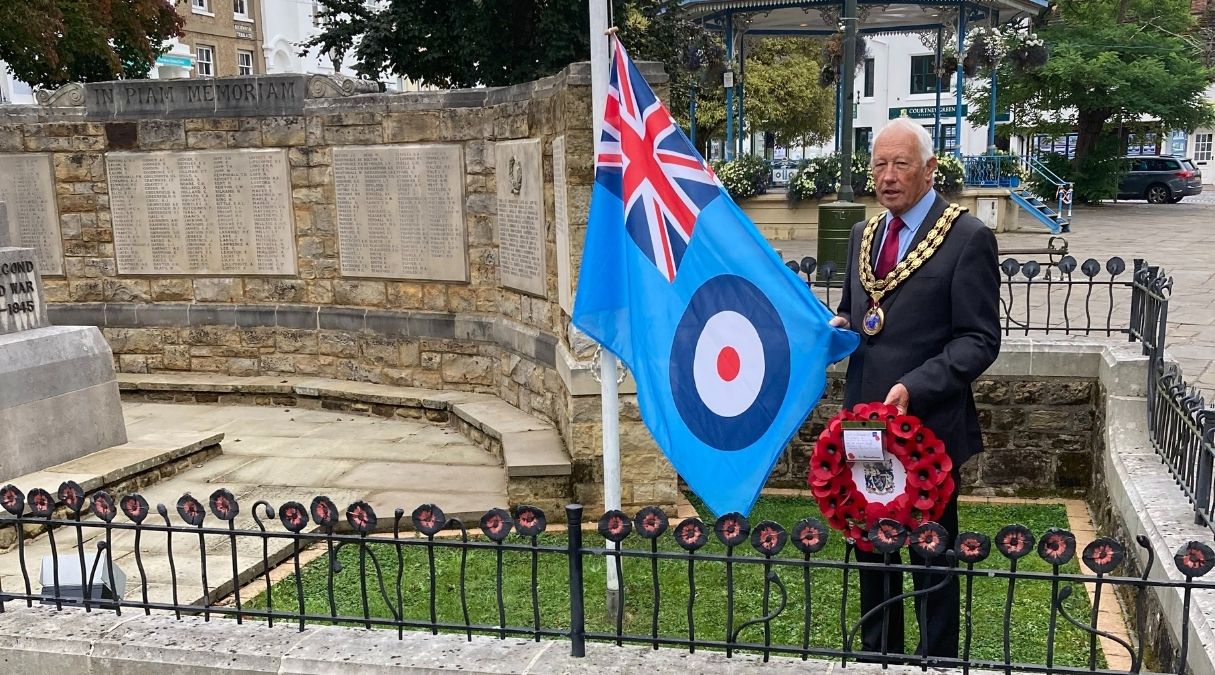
(867, 92)
(244, 63)
(240, 8)
(951, 138)
(316, 14)
(203, 6)
(1202, 147)
(204, 61)
(923, 76)
(864, 139)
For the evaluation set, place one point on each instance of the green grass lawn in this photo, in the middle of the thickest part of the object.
(1029, 623)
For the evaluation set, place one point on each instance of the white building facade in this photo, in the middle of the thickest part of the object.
(897, 79)
(288, 24)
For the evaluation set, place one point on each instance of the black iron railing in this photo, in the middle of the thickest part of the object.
(1066, 297)
(1180, 424)
(780, 567)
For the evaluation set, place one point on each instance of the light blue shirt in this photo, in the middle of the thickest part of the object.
(912, 220)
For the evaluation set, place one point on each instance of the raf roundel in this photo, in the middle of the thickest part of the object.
(729, 363)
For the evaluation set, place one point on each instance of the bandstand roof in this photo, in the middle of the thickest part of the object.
(817, 17)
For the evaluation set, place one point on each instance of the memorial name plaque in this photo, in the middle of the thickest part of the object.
(400, 211)
(521, 215)
(565, 289)
(27, 187)
(207, 212)
(21, 305)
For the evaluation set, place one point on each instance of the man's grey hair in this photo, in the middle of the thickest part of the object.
(922, 137)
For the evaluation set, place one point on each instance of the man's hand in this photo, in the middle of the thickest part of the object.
(899, 397)
(838, 321)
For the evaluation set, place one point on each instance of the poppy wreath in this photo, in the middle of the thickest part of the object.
(925, 495)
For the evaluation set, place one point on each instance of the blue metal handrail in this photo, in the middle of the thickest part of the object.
(1064, 190)
(992, 170)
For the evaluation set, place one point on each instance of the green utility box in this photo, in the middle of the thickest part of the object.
(835, 221)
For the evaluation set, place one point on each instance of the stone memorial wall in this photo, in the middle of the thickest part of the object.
(300, 225)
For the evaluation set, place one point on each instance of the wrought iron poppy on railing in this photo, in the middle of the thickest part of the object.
(426, 579)
(1066, 297)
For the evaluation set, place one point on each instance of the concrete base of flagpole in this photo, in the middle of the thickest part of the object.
(613, 604)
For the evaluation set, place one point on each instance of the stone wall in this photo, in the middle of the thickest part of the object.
(477, 336)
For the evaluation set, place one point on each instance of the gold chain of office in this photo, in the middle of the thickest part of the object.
(877, 288)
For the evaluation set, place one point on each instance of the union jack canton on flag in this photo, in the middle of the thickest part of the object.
(728, 348)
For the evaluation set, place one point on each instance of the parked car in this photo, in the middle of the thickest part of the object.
(1160, 179)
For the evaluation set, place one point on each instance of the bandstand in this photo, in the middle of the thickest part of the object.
(936, 21)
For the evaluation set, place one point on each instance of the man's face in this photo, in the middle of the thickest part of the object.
(900, 177)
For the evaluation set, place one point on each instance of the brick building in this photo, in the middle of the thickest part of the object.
(223, 36)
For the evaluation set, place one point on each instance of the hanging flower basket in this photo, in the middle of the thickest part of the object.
(1028, 57)
(912, 487)
(949, 64)
(833, 50)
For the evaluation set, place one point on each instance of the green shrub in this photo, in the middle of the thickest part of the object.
(821, 177)
(949, 174)
(744, 176)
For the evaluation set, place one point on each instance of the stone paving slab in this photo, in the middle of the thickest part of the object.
(273, 453)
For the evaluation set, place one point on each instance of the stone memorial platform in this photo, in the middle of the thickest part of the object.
(60, 400)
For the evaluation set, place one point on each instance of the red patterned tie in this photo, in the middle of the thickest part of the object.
(889, 257)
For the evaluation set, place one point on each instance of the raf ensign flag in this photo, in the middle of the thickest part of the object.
(729, 349)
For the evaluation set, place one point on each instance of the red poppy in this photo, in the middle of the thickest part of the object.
(924, 475)
(865, 411)
(903, 426)
(837, 487)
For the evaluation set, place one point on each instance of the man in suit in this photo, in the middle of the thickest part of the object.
(922, 344)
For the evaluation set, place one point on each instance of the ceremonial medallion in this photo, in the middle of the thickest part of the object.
(873, 321)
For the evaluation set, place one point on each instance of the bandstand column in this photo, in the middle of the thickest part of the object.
(957, 129)
(728, 150)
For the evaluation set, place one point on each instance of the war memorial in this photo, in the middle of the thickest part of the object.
(278, 249)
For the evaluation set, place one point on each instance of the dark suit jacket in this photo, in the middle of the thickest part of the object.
(942, 331)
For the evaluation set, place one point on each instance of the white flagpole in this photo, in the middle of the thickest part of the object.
(608, 396)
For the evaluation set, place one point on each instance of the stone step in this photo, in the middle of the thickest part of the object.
(531, 450)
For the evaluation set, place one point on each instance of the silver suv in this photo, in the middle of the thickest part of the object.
(1160, 179)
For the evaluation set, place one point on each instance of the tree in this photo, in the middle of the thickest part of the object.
(1109, 60)
(48, 43)
(783, 94)
(467, 43)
